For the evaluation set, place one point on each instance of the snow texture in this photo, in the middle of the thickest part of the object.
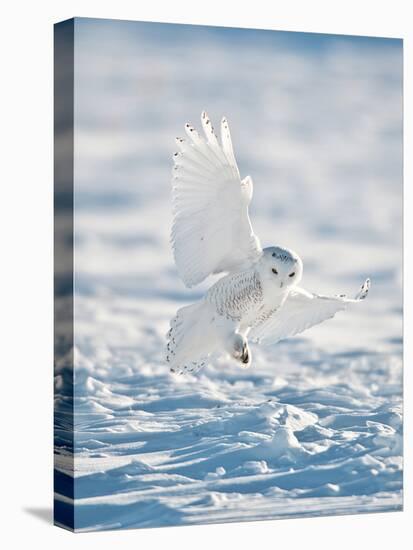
(315, 426)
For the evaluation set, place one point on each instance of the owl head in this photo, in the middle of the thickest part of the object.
(281, 265)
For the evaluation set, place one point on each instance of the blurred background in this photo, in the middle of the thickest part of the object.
(316, 121)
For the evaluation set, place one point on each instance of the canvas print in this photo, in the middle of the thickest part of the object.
(228, 274)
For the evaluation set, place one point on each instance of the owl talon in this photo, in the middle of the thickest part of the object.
(245, 354)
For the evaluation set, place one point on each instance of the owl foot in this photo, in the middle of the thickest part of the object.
(242, 353)
(246, 357)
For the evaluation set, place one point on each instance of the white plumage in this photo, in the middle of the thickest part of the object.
(258, 299)
(211, 231)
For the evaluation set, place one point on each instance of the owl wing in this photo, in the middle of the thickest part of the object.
(211, 230)
(300, 311)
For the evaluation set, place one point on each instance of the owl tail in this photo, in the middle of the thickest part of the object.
(191, 338)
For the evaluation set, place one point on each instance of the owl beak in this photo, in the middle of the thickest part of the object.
(281, 285)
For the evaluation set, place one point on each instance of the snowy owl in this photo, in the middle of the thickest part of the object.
(258, 298)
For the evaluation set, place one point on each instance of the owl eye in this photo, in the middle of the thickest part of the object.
(292, 274)
(274, 271)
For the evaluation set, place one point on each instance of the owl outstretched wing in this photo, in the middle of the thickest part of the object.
(301, 311)
(211, 230)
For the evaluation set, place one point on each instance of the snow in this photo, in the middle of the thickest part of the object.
(314, 427)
